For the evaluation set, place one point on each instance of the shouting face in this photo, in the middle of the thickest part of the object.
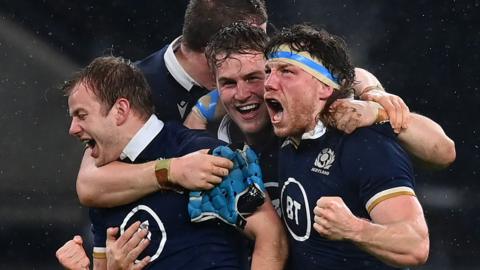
(294, 98)
(94, 125)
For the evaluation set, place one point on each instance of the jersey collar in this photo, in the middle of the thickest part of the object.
(142, 138)
(174, 67)
(313, 134)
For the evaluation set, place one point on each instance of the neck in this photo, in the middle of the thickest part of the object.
(131, 127)
(195, 64)
(260, 138)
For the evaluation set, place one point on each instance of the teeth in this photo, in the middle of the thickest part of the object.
(248, 107)
(88, 142)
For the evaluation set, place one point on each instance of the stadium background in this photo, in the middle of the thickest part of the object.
(425, 51)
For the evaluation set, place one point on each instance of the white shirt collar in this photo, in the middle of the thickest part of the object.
(315, 133)
(142, 138)
(174, 67)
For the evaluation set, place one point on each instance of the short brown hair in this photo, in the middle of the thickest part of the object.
(111, 78)
(238, 38)
(203, 18)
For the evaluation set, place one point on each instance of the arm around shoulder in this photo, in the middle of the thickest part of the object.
(114, 184)
(427, 141)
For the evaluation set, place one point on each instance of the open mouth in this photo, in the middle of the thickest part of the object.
(274, 105)
(275, 109)
(244, 109)
(89, 143)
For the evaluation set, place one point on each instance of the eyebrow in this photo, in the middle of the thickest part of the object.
(76, 112)
(254, 73)
(279, 64)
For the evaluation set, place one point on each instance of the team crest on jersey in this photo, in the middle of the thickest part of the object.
(324, 161)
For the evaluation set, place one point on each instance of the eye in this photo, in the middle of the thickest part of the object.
(267, 70)
(254, 79)
(82, 116)
(228, 84)
(286, 71)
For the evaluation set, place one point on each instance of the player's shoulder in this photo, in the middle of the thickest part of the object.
(153, 62)
(375, 133)
(190, 140)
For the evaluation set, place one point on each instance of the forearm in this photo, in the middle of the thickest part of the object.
(401, 244)
(426, 140)
(364, 80)
(114, 184)
(271, 244)
(99, 264)
(397, 234)
(195, 120)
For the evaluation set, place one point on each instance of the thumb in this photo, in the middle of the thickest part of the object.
(78, 239)
(111, 234)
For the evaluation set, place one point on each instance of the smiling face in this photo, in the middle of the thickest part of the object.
(240, 81)
(294, 98)
(93, 125)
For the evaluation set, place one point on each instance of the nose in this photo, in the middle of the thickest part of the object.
(243, 91)
(271, 82)
(75, 128)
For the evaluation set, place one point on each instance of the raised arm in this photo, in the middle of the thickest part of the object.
(422, 137)
(397, 234)
(426, 141)
(271, 245)
(119, 183)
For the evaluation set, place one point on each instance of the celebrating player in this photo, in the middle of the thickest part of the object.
(347, 200)
(112, 113)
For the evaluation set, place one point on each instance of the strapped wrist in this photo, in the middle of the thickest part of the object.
(382, 115)
(162, 173)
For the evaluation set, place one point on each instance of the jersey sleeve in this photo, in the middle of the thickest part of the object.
(99, 231)
(377, 165)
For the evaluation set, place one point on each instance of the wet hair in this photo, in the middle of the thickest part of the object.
(203, 18)
(331, 50)
(237, 38)
(111, 78)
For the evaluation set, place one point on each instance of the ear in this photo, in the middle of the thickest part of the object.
(325, 91)
(122, 106)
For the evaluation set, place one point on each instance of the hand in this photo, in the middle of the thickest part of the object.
(396, 109)
(239, 194)
(72, 255)
(334, 220)
(348, 114)
(199, 170)
(122, 252)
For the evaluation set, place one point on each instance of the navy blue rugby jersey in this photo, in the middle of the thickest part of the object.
(363, 169)
(176, 243)
(173, 102)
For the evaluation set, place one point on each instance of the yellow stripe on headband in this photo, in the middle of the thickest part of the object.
(306, 62)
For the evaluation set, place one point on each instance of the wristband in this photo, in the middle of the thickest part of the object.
(162, 172)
